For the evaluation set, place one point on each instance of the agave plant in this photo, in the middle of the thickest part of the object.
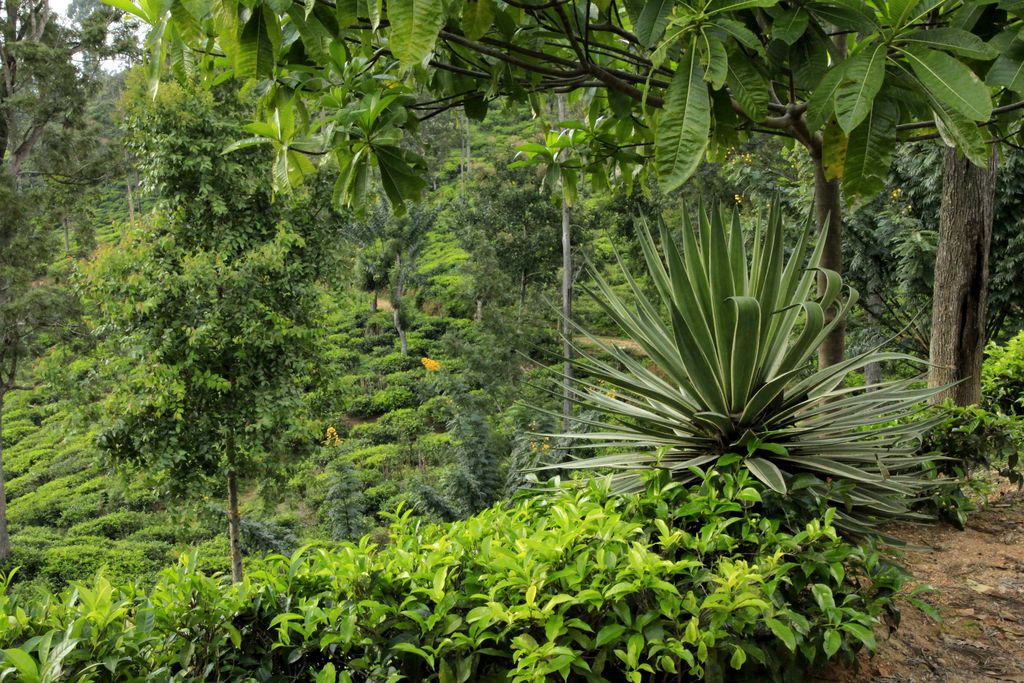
(730, 338)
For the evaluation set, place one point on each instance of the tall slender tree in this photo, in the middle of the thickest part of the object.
(213, 298)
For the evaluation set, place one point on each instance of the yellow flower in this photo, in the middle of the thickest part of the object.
(332, 437)
(738, 198)
(430, 364)
(897, 193)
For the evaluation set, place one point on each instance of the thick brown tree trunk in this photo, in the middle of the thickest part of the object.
(828, 211)
(234, 526)
(5, 537)
(961, 278)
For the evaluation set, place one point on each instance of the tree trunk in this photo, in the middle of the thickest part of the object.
(873, 370)
(465, 154)
(131, 202)
(567, 379)
(373, 302)
(567, 373)
(479, 315)
(396, 305)
(234, 526)
(5, 537)
(961, 278)
(828, 211)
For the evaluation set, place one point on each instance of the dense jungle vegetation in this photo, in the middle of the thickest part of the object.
(494, 340)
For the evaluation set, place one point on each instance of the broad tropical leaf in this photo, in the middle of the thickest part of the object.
(1008, 69)
(414, 28)
(862, 79)
(652, 20)
(685, 125)
(477, 17)
(748, 87)
(869, 151)
(950, 82)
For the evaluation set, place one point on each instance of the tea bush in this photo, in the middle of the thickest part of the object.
(968, 440)
(392, 398)
(115, 525)
(675, 582)
(1002, 376)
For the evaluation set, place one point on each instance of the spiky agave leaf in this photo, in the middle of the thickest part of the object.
(732, 334)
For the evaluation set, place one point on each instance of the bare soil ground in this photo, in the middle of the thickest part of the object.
(978, 574)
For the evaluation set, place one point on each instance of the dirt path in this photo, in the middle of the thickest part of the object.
(979, 577)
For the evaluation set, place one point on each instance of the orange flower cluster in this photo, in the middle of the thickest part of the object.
(332, 437)
(430, 364)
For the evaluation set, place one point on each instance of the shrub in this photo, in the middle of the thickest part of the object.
(433, 449)
(383, 459)
(675, 582)
(392, 398)
(115, 525)
(166, 532)
(438, 410)
(733, 337)
(432, 328)
(122, 562)
(966, 440)
(402, 425)
(1002, 376)
(394, 362)
(16, 430)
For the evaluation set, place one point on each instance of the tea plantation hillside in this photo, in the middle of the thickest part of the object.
(475, 341)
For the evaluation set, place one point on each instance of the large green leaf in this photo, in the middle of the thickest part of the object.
(960, 132)
(1008, 69)
(414, 28)
(715, 60)
(722, 6)
(821, 103)
(862, 79)
(952, 40)
(400, 174)
(256, 50)
(685, 124)
(748, 88)
(315, 36)
(789, 25)
(869, 151)
(477, 17)
(951, 82)
(651, 23)
(858, 16)
(833, 151)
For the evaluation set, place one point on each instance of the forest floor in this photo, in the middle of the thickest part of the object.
(978, 574)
